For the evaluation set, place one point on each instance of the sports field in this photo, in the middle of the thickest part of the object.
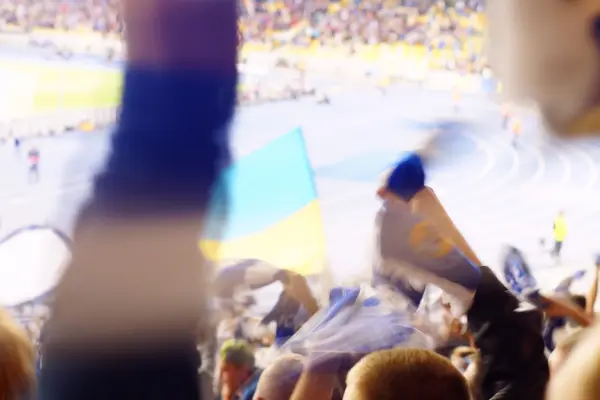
(496, 193)
(32, 87)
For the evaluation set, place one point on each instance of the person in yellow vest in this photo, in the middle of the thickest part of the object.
(383, 84)
(456, 96)
(560, 233)
(516, 130)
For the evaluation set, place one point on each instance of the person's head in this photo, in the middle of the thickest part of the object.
(278, 381)
(413, 374)
(237, 363)
(17, 359)
(547, 52)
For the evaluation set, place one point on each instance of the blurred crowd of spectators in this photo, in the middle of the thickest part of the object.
(447, 32)
(364, 22)
(300, 22)
(73, 15)
(125, 318)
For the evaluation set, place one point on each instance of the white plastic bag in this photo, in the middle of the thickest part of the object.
(359, 321)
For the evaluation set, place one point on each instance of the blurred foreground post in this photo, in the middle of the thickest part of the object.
(127, 311)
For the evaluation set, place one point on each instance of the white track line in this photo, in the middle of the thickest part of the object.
(351, 194)
(489, 154)
(44, 194)
(593, 169)
(541, 170)
(478, 195)
(567, 168)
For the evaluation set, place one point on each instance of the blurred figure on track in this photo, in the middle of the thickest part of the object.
(516, 130)
(456, 97)
(505, 111)
(322, 98)
(383, 84)
(33, 158)
(560, 233)
(17, 144)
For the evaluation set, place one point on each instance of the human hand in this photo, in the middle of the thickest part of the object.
(296, 287)
(462, 352)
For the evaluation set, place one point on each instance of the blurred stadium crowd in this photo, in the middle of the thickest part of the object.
(343, 21)
(95, 15)
(372, 343)
(284, 42)
(344, 24)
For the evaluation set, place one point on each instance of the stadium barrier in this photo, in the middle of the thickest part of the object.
(68, 42)
(93, 119)
(42, 99)
(465, 83)
(57, 123)
(51, 252)
(398, 62)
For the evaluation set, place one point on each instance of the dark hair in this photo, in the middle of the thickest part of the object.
(580, 300)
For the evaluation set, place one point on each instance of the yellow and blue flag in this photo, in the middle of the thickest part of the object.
(272, 212)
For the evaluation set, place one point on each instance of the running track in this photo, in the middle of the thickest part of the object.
(495, 193)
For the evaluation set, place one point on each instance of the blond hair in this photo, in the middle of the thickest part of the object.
(17, 359)
(412, 374)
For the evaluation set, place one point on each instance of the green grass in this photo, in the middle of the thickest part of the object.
(60, 88)
(54, 87)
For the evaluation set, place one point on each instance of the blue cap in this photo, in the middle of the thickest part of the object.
(407, 178)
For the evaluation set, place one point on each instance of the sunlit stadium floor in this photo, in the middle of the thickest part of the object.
(497, 194)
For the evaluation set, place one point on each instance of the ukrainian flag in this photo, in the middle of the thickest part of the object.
(273, 213)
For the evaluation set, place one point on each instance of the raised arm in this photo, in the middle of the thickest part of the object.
(414, 250)
(592, 293)
(426, 203)
(136, 278)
